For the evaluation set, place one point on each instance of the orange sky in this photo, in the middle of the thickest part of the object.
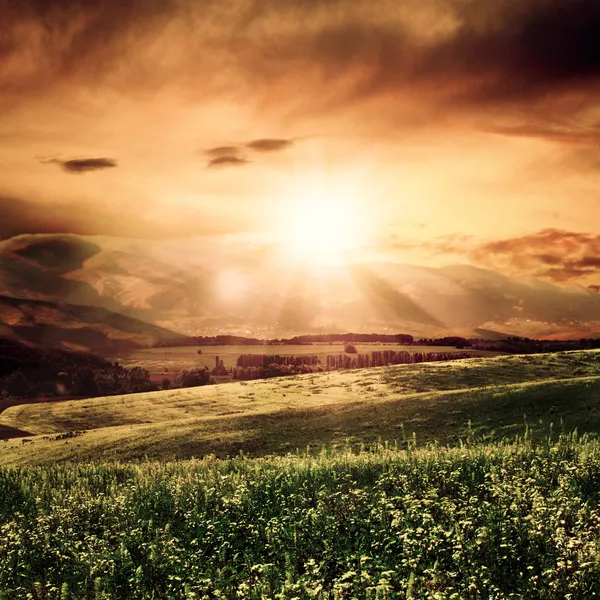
(468, 131)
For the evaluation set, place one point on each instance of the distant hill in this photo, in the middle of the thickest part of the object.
(210, 287)
(50, 324)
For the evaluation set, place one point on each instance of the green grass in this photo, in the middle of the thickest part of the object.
(493, 522)
(300, 392)
(439, 481)
(491, 398)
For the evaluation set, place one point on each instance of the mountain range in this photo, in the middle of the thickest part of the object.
(101, 292)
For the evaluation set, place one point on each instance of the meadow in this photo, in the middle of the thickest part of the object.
(518, 520)
(475, 479)
(170, 360)
(496, 397)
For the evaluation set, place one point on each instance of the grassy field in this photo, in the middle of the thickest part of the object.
(491, 398)
(170, 361)
(477, 522)
(436, 481)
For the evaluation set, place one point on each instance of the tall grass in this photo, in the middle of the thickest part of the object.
(512, 520)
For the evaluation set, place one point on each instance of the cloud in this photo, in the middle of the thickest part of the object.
(23, 216)
(551, 254)
(221, 151)
(84, 165)
(269, 145)
(566, 135)
(453, 243)
(227, 161)
(232, 152)
(454, 55)
(49, 43)
(492, 60)
(554, 254)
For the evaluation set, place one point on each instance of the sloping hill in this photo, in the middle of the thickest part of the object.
(434, 401)
(298, 393)
(444, 417)
(79, 327)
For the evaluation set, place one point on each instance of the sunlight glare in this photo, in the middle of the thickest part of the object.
(322, 219)
(232, 285)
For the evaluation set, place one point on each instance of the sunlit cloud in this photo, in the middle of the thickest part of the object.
(555, 254)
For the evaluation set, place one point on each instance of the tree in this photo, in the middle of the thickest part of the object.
(138, 376)
(16, 385)
(194, 377)
(85, 382)
(219, 368)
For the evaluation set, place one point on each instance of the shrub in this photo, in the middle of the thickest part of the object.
(194, 377)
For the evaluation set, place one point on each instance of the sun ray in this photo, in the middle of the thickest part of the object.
(322, 216)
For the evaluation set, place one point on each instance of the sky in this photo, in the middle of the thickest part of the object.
(427, 132)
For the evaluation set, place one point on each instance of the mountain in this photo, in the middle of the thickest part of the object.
(76, 327)
(215, 286)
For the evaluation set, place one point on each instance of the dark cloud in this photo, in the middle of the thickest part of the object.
(269, 145)
(525, 50)
(48, 42)
(553, 254)
(502, 55)
(320, 55)
(221, 151)
(227, 161)
(84, 165)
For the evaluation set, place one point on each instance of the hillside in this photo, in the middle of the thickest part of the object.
(52, 324)
(435, 402)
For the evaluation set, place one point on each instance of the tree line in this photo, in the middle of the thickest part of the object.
(31, 372)
(264, 366)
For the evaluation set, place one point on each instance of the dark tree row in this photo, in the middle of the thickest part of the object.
(265, 360)
(387, 357)
(76, 381)
(254, 366)
(273, 370)
(32, 372)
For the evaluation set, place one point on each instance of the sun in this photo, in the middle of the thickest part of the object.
(321, 221)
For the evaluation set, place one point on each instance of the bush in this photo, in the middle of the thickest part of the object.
(350, 348)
